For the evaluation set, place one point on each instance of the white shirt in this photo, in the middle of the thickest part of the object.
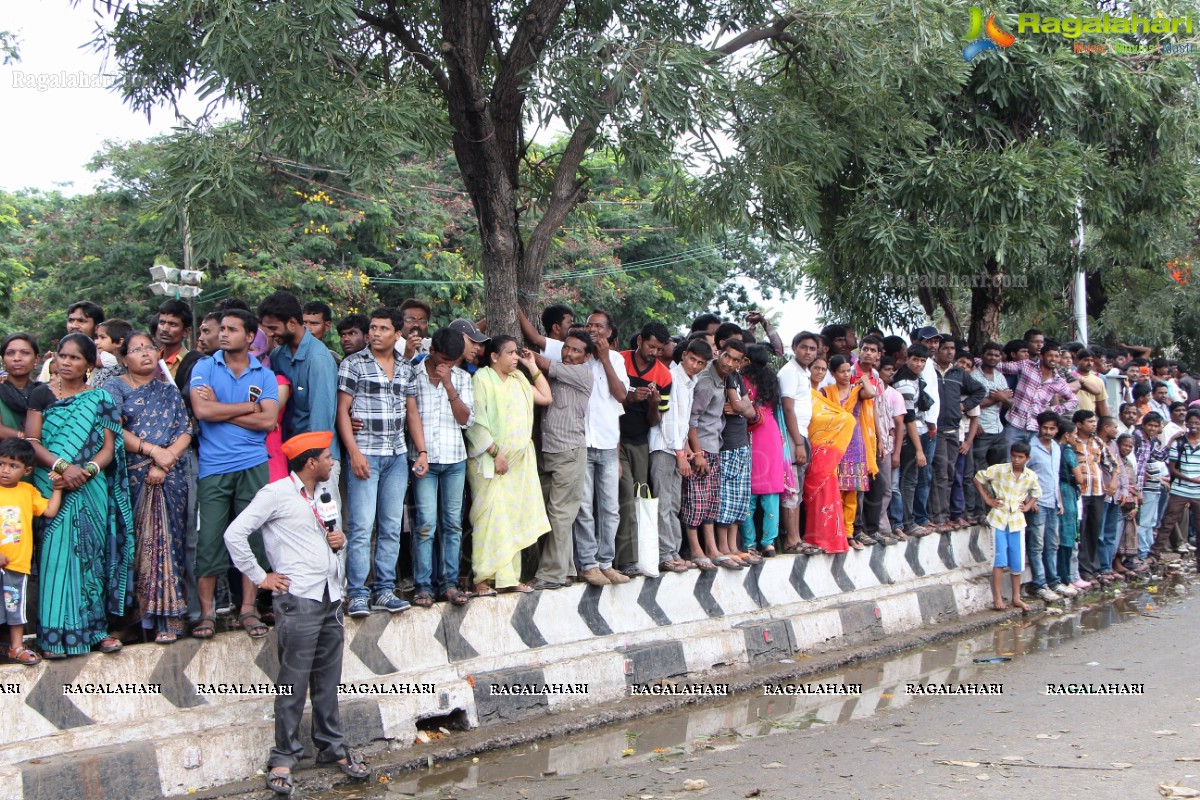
(604, 412)
(670, 434)
(795, 383)
(930, 374)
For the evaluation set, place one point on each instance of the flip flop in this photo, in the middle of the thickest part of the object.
(280, 782)
(728, 562)
(704, 564)
(483, 590)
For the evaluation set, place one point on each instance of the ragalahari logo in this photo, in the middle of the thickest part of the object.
(984, 35)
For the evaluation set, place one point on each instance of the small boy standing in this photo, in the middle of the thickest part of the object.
(19, 504)
(1011, 491)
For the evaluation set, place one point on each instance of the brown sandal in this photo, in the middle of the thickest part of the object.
(22, 655)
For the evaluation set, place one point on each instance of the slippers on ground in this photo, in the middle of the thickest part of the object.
(423, 599)
(520, 588)
(254, 629)
(280, 782)
(352, 765)
(165, 637)
(205, 628)
(455, 597)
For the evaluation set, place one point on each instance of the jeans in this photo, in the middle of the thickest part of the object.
(1114, 523)
(595, 528)
(945, 457)
(921, 510)
(909, 479)
(382, 491)
(1148, 520)
(1041, 546)
(439, 498)
(975, 506)
(895, 507)
(958, 503)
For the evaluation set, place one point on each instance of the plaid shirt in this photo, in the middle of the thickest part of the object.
(443, 434)
(1012, 490)
(1096, 459)
(1033, 395)
(1149, 449)
(377, 401)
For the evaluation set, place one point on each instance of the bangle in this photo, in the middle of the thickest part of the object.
(92, 468)
(422, 452)
(536, 375)
(60, 466)
(494, 450)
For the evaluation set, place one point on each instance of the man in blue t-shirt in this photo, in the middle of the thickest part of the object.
(236, 400)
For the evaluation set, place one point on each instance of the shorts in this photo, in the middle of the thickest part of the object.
(1010, 547)
(15, 586)
(735, 492)
(219, 499)
(701, 496)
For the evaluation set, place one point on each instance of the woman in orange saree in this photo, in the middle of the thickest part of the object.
(829, 434)
(858, 464)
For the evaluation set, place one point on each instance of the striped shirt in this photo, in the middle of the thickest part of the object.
(1186, 458)
(1091, 457)
(989, 418)
(564, 423)
(378, 401)
(443, 434)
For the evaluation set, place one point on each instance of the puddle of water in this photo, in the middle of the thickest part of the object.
(721, 723)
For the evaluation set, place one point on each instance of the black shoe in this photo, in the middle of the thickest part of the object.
(631, 571)
(537, 584)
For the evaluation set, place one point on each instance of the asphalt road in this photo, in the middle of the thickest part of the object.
(890, 744)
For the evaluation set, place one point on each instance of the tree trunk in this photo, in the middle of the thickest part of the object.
(986, 301)
(951, 312)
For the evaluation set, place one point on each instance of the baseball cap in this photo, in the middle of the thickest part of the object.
(927, 332)
(468, 329)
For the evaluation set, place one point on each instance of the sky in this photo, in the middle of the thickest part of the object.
(60, 110)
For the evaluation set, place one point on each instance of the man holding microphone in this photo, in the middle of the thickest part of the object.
(298, 516)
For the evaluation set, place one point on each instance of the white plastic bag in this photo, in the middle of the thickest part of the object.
(646, 507)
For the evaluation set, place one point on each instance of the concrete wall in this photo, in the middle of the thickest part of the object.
(56, 745)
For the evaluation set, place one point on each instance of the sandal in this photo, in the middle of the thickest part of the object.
(855, 543)
(769, 551)
(750, 557)
(256, 629)
(205, 628)
(110, 644)
(280, 782)
(704, 564)
(352, 765)
(483, 590)
(165, 637)
(671, 566)
(22, 655)
(50, 655)
(423, 599)
(520, 588)
(455, 597)
(795, 549)
(728, 562)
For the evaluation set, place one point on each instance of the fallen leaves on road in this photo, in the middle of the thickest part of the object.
(695, 784)
(1165, 733)
(1174, 789)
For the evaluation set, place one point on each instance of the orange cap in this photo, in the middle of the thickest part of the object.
(1144, 370)
(303, 442)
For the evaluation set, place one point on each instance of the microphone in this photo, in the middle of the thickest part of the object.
(327, 511)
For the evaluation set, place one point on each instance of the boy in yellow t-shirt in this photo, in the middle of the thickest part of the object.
(19, 504)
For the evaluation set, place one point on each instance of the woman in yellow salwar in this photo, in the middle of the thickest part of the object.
(507, 512)
(858, 464)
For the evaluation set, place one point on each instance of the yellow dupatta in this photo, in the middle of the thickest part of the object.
(865, 421)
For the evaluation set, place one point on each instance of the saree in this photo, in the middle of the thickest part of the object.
(507, 512)
(829, 434)
(860, 461)
(155, 414)
(1068, 523)
(85, 562)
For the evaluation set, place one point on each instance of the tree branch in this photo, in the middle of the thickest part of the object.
(759, 33)
(392, 24)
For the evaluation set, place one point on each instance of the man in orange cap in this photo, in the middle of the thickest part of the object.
(301, 530)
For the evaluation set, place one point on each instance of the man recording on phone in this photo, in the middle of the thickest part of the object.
(301, 530)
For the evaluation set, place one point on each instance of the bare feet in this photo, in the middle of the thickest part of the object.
(1000, 605)
(1020, 604)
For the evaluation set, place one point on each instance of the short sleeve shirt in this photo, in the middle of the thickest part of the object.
(226, 448)
(1012, 490)
(379, 401)
(18, 506)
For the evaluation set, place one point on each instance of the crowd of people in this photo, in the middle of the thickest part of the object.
(130, 465)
